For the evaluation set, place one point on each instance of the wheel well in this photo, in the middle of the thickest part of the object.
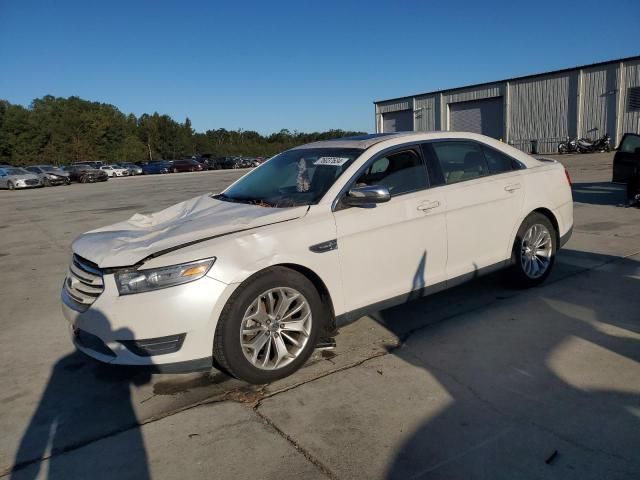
(320, 286)
(552, 218)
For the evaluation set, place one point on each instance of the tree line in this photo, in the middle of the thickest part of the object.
(64, 130)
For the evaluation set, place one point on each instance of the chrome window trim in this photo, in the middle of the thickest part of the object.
(393, 149)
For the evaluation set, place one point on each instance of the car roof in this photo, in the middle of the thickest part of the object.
(359, 141)
(382, 140)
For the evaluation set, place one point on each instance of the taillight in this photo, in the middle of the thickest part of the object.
(566, 172)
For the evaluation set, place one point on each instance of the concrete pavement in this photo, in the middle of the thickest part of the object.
(481, 381)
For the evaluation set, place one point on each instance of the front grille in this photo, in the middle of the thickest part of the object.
(32, 181)
(84, 282)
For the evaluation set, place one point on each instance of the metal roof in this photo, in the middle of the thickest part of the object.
(511, 79)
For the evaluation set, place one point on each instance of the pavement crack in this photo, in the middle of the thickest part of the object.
(317, 463)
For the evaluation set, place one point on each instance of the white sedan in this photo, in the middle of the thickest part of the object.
(115, 170)
(250, 279)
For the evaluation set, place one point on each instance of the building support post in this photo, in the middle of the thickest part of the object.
(507, 113)
(579, 106)
(617, 136)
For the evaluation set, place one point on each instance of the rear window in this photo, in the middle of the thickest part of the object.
(460, 161)
(630, 144)
(498, 162)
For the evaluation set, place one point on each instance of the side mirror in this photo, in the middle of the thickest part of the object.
(366, 196)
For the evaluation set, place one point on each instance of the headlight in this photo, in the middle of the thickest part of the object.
(136, 281)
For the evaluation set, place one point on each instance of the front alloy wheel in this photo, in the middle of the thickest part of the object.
(276, 328)
(269, 326)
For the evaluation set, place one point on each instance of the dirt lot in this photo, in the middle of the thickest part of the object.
(482, 381)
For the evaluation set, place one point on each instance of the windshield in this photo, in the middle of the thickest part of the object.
(292, 178)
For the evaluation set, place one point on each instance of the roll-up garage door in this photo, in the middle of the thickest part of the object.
(401, 121)
(478, 116)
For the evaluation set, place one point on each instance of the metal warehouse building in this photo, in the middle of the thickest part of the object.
(586, 101)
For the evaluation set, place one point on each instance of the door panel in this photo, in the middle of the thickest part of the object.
(392, 249)
(481, 217)
(483, 205)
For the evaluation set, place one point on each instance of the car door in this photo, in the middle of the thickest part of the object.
(484, 195)
(392, 250)
(626, 161)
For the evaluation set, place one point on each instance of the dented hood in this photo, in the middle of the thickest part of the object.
(201, 218)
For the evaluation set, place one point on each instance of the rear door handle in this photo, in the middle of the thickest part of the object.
(427, 205)
(512, 187)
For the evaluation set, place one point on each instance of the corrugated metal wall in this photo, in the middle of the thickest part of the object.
(540, 107)
(630, 121)
(598, 101)
(394, 105)
(425, 114)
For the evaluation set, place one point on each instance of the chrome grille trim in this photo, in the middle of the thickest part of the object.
(83, 283)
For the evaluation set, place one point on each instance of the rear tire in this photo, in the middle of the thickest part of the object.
(10, 185)
(246, 320)
(534, 251)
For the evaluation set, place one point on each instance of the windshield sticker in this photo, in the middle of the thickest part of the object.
(334, 161)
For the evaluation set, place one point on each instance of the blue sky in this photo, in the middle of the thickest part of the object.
(299, 65)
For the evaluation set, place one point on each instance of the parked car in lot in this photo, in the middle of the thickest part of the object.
(132, 167)
(626, 165)
(325, 231)
(13, 178)
(86, 174)
(157, 166)
(50, 175)
(115, 170)
(186, 165)
(91, 163)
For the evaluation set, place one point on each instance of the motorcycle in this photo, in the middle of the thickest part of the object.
(603, 144)
(568, 146)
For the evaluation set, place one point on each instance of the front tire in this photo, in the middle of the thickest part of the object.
(562, 149)
(10, 185)
(534, 251)
(269, 327)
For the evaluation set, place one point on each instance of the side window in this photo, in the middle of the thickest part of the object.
(401, 172)
(630, 143)
(498, 162)
(460, 161)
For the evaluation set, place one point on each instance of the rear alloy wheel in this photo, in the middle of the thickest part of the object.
(534, 250)
(269, 327)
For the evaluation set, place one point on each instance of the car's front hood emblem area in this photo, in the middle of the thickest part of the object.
(127, 243)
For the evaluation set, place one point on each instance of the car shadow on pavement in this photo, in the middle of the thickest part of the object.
(599, 193)
(538, 383)
(81, 398)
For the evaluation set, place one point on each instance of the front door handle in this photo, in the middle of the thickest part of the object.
(427, 205)
(512, 187)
